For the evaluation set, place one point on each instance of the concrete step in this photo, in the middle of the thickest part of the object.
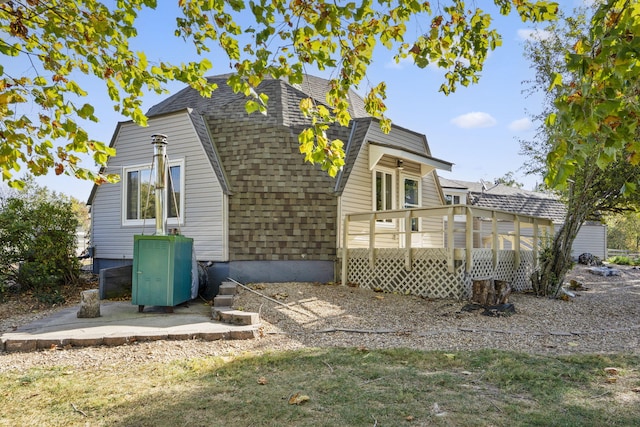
(223, 301)
(234, 317)
(227, 288)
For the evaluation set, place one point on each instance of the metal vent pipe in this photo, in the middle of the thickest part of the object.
(159, 142)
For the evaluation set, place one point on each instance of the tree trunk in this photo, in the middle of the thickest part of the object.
(488, 292)
(480, 290)
(555, 260)
(503, 290)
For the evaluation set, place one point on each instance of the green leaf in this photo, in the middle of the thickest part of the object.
(556, 81)
(40, 81)
(251, 106)
(86, 111)
(628, 189)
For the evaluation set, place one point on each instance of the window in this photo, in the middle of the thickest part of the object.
(174, 193)
(139, 194)
(450, 199)
(384, 191)
(411, 191)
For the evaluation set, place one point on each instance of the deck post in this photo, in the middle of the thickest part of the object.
(469, 242)
(450, 241)
(372, 241)
(407, 241)
(535, 243)
(494, 236)
(516, 243)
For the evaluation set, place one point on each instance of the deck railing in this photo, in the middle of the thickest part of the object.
(455, 230)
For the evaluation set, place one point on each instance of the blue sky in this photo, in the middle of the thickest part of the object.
(477, 128)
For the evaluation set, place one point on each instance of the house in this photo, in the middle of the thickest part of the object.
(591, 238)
(241, 188)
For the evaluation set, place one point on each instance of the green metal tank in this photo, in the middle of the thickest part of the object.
(162, 263)
(161, 270)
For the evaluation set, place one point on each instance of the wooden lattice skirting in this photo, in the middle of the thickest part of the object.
(430, 275)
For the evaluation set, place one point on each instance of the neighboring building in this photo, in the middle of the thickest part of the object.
(591, 238)
(242, 189)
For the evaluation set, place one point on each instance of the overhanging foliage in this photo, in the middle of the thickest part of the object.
(64, 39)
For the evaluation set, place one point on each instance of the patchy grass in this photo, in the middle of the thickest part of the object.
(332, 387)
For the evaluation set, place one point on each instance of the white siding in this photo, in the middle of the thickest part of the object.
(591, 239)
(204, 202)
(357, 195)
(431, 199)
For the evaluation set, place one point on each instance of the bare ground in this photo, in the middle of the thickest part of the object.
(604, 318)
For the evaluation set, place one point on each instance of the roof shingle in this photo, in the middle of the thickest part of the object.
(511, 199)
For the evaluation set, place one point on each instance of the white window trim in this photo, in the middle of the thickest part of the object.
(151, 221)
(412, 177)
(394, 194)
(460, 194)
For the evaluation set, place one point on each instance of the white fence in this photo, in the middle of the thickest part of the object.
(622, 252)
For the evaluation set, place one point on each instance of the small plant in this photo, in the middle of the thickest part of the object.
(619, 260)
(623, 260)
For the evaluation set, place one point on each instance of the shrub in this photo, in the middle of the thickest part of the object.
(38, 243)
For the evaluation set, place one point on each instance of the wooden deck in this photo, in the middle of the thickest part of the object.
(443, 251)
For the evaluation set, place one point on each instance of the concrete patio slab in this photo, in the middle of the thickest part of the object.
(120, 323)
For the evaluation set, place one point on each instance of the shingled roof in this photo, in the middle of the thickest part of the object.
(283, 108)
(510, 199)
(283, 104)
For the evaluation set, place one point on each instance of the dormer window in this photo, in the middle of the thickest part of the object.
(450, 199)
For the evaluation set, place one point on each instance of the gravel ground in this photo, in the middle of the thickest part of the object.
(604, 318)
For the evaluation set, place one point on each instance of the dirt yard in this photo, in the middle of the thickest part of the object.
(603, 318)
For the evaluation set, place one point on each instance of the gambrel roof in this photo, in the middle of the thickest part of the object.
(283, 109)
(283, 104)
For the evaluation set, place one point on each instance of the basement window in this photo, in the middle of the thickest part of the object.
(138, 195)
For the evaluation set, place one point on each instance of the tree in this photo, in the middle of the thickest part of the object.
(597, 109)
(508, 179)
(624, 231)
(64, 39)
(590, 184)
